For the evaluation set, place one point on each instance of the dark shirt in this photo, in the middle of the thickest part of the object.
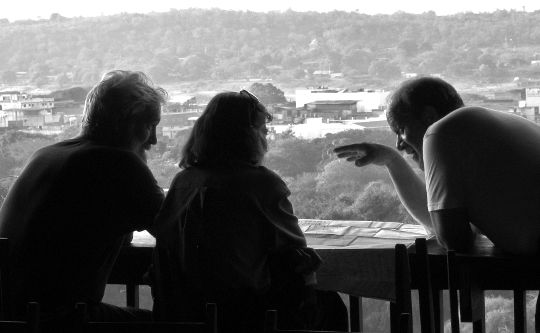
(228, 236)
(67, 216)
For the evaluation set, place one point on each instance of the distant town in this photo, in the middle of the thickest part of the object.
(310, 113)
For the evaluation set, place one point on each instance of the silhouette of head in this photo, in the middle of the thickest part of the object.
(231, 129)
(122, 108)
(416, 105)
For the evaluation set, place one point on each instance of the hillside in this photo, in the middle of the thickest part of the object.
(196, 44)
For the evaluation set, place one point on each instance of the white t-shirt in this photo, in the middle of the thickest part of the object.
(487, 162)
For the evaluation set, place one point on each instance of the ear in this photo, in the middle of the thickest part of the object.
(430, 115)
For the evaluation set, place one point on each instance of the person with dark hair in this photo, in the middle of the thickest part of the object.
(226, 232)
(481, 167)
(77, 201)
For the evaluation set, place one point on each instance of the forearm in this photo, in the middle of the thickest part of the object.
(411, 190)
(453, 229)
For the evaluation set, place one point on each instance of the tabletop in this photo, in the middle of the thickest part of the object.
(359, 258)
(336, 234)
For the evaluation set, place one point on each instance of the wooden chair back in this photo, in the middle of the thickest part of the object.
(470, 305)
(401, 307)
(31, 325)
(426, 295)
(400, 310)
(82, 325)
(403, 303)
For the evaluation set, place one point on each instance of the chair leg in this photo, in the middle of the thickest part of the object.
(211, 317)
(479, 326)
(132, 295)
(520, 314)
(452, 290)
(438, 311)
(405, 323)
(471, 306)
(403, 302)
(270, 321)
(425, 291)
(355, 313)
(80, 318)
(33, 317)
(394, 318)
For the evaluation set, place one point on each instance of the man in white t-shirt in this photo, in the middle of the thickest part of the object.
(482, 167)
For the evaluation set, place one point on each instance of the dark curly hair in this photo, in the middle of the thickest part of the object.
(224, 134)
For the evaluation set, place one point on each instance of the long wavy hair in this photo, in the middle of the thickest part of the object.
(226, 134)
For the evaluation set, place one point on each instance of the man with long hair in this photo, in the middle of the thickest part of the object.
(76, 201)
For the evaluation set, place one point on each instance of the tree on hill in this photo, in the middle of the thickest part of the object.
(77, 94)
(218, 44)
(16, 148)
(339, 176)
(293, 156)
(267, 93)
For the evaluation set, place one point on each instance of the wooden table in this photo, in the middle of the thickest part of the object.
(358, 256)
(359, 260)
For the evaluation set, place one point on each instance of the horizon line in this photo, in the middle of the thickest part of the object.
(357, 11)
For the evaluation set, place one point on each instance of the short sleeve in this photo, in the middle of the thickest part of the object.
(443, 165)
(279, 212)
(289, 243)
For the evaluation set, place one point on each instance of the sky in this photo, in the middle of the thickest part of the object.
(34, 9)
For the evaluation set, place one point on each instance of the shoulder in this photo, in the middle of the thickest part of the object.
(266, 177)
(266, 184)
(268, 174)
(257, 180)
(183, 176)
(103, 154)
(98, 162)
(460, 119)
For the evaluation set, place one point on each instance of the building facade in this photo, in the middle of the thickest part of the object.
(366, 100)
(20, 110)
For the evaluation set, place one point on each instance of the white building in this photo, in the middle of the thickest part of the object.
(314, 128)
(530, 107)
(367, 100)
(23, 110)
(13, 100)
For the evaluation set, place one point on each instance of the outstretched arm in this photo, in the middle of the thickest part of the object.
(410, 186)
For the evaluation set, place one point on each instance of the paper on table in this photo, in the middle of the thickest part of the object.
(414, 228)
(327, 230)
(337, 233)
(395, 234)
(351, 223)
